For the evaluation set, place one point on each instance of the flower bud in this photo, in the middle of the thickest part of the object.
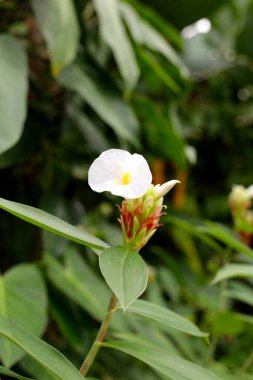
(165, 188)
(140, 217)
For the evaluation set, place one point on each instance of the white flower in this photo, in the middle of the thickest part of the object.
(121, 173)
(241, 196)
(163, 189)
(250, 191)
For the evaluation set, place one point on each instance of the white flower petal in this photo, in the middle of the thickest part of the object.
(108, 171)
(250, 191)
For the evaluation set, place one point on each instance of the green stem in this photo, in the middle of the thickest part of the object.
(99, 338)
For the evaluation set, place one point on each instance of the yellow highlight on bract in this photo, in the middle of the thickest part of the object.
(126, 178)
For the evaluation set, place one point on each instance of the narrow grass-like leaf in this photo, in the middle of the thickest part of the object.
(45, 354)
(172, 366)
(52, 223)
(13, 91)
(233, 270)
(125, 272)
(165, 316)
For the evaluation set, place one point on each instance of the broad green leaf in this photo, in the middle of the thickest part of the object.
(35, 369)
(125, 272)
(79, 283)
(51, 223)
(165, 316)
(173, 366)
(13, 91)
(226, 236)
(45, 354)
(233, 270)
(20, 289)
(115, 36)
(8, 372)
(106, 102)
(145, 34)
(59, 26)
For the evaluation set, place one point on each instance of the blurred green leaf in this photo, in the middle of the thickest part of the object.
(20, 289)
(233, 270)
(159, 134)
(94, 137)
(166, 29)
(13, 91)
(125, 273)
(107, 103)
(240, 292)
(193, 227)
(172, 366)
(51, 223)
(159, 71)
(59, 26)
(8, 372)
(145, 34)
(165, 316)
(226, 323)
(45, 354)
(226, 236)
(114, 34)
(37, 370)
(79, 283)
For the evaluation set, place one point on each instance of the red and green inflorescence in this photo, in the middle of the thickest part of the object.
(139, 219)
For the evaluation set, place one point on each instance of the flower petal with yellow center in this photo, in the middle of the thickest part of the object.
(120, 172)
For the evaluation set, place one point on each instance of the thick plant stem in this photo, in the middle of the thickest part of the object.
(99, 338)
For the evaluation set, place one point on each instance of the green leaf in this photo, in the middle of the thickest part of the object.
(226, 236)
(48, 356)
(8, 372)
(233, 270)
(106, 102)
(165, 316)
(59, 26)
(125, 272)
(51, 223)
(226, 323)
(173, 366)
(159, 132)
(35, 369)
(114, 34)
(145, 34)
(13, 91)
(20, 289)
(79, 283)
(160, 73)
(240, 292)
(193, 227)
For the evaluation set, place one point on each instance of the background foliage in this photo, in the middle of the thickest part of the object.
(78, 77)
